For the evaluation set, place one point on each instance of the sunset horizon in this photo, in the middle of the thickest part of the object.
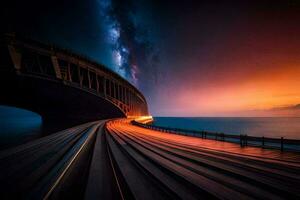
(150, 99)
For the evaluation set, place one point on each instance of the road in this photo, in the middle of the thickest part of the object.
(114, 159)
(160, 165)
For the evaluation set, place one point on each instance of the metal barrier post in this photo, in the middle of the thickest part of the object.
(241, 140)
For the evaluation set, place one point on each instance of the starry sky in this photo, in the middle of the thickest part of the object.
(189, 58)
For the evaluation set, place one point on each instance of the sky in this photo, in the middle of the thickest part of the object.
(189, 58)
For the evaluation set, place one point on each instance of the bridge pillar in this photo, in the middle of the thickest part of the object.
(69, 72)
(80, 77)
(56, 67)
(16, 57)
(89, 78)
(97, 84)
(104, 86)
(115, 90)
(107, 91)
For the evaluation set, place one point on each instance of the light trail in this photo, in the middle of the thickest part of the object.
(117, 160)
(189, 168)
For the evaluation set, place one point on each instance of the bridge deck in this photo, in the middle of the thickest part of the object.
(189, 168)
(47, 166)
(122, 161)
(213, 145)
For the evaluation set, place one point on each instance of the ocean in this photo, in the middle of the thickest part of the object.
(275, 127)
(18, 126)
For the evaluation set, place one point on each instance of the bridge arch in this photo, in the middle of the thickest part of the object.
(55, 82)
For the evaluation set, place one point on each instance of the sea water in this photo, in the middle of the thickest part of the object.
(275, 127)
(18, 126)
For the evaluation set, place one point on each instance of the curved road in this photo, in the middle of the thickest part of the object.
(161, 165)
(117, 160)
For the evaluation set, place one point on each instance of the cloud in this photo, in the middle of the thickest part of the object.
(290, 107)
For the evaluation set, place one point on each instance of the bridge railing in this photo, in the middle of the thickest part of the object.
(33, 58)
(282, 143)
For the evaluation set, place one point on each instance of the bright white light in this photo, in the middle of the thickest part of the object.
(117, 58)
(124, 50)
(114, 34)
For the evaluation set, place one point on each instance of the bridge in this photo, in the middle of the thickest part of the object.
(57, 83)
(114, 159)
(108, 158)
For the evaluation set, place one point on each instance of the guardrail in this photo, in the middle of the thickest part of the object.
(243, 139)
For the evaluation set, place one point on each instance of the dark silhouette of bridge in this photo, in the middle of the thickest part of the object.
(57, 83)
(115, 159)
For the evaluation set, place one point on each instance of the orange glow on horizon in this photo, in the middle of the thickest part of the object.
(251, 68)
(258, 94)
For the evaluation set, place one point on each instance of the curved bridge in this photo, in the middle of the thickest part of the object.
(57, 83)
(114, 159)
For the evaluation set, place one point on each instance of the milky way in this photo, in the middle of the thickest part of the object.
(129, 46)
(192, 58)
